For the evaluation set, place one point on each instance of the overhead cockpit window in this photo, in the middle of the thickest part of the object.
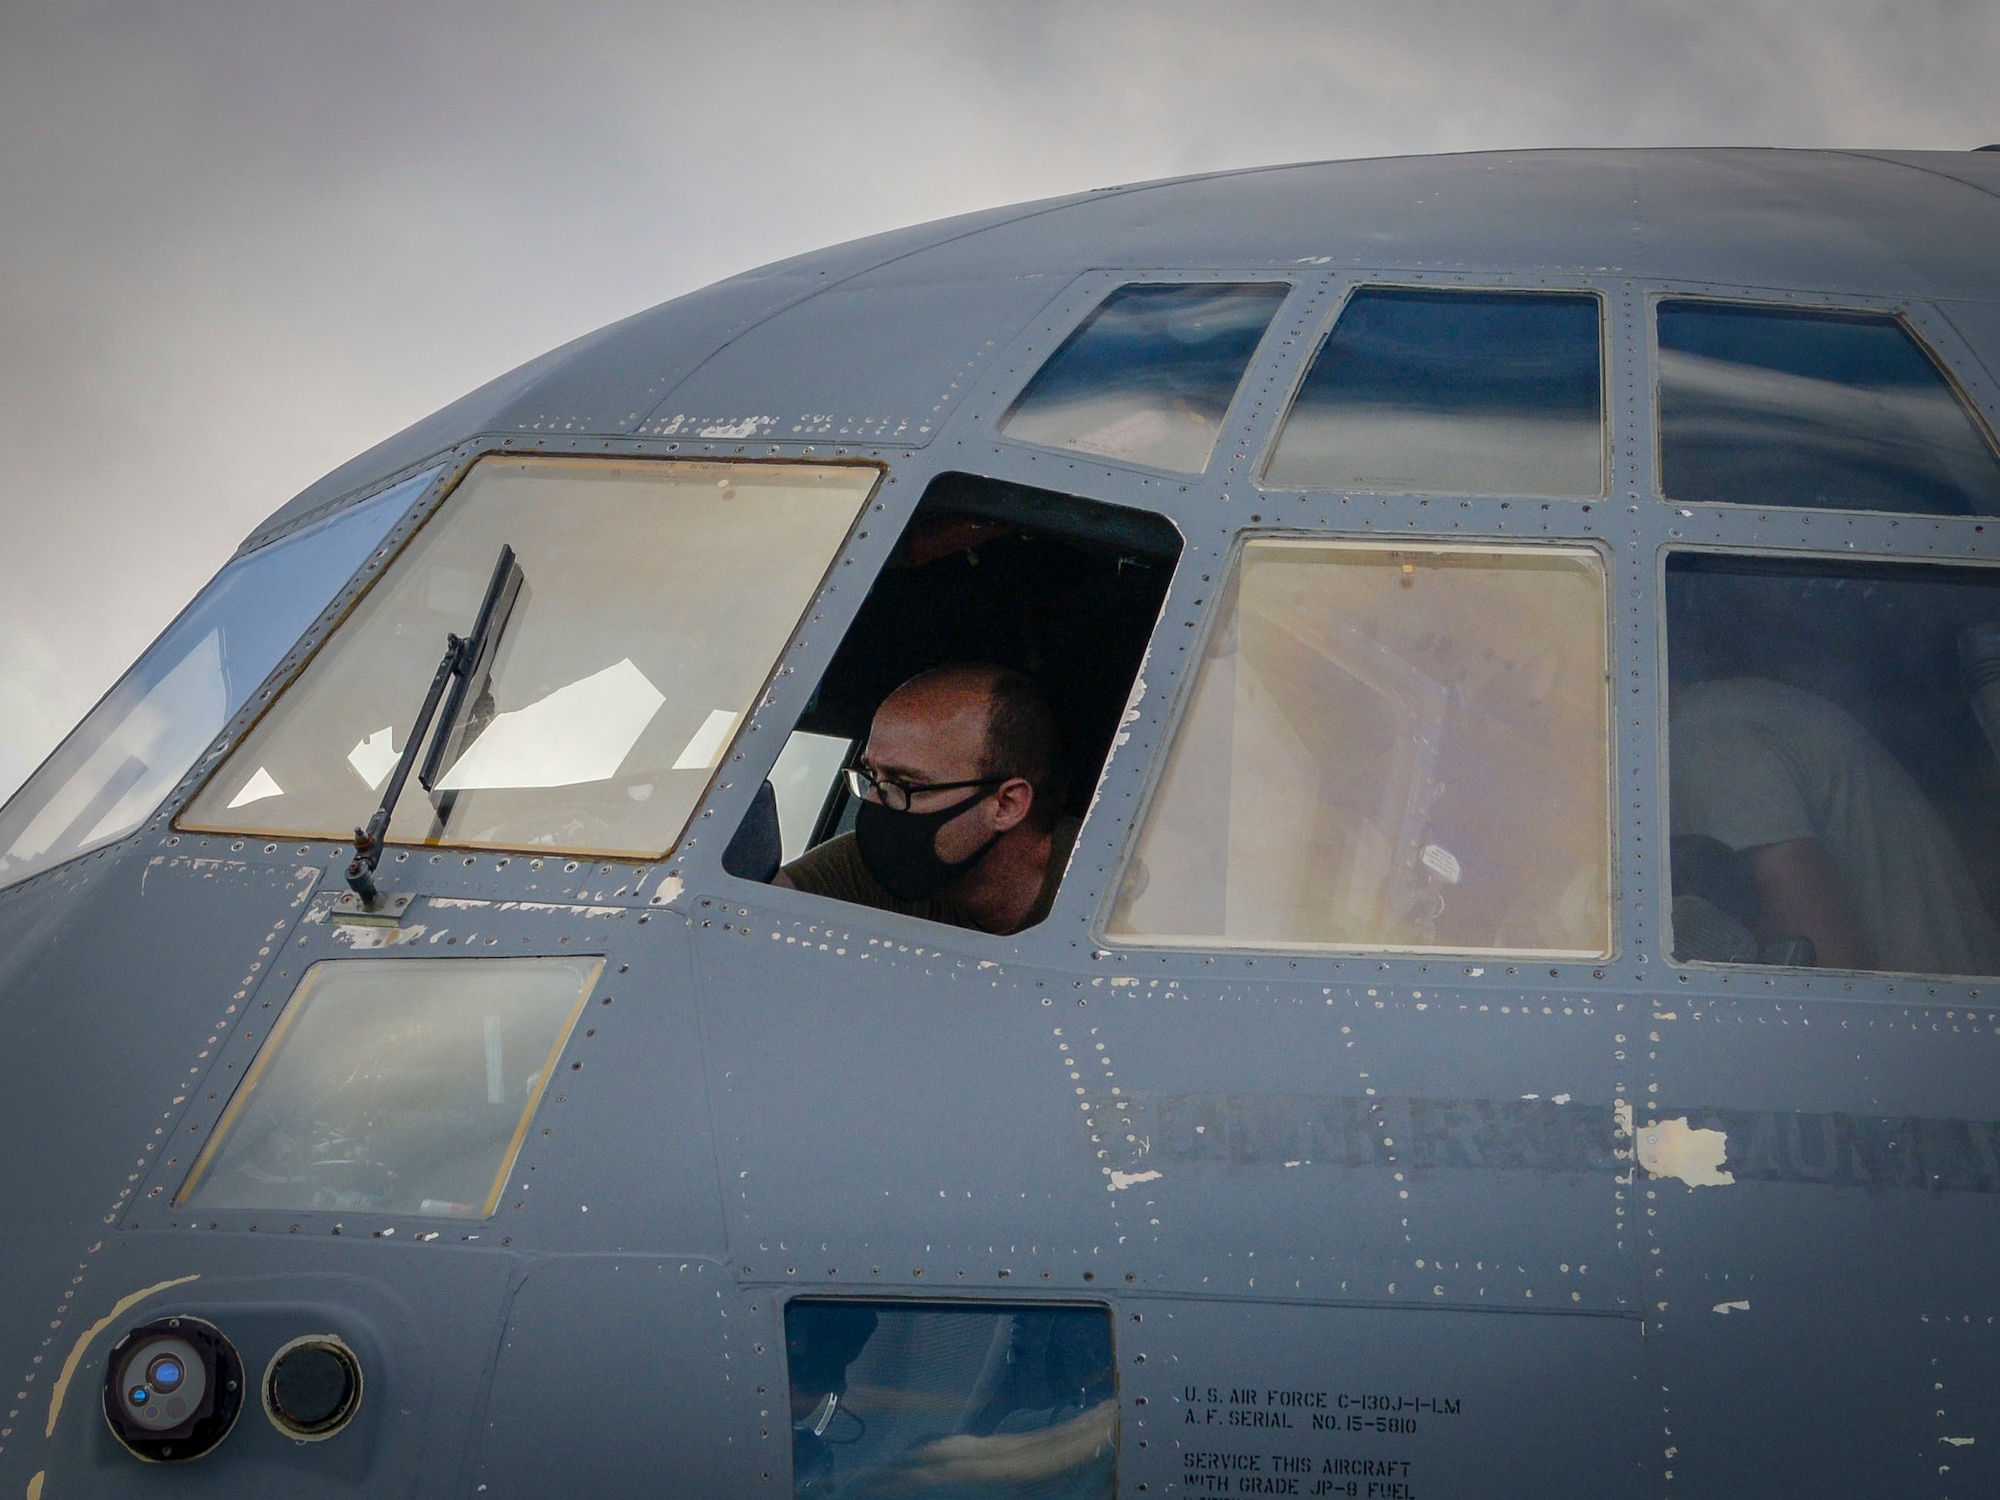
(992, 1402)
(394, 1086)
(109, 775)
(1813, 407)
(971, 705)
(1451, 392)
(1150, 374)
(1388, 747)
(1834, 748)
(653, 599)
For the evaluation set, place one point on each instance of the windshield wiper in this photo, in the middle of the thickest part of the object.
(467, 659)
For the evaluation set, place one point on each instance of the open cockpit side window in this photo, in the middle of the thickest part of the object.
(1834, 755)
(1814, 407)
(1043, 599)
(652, 599)
(1389, 747)
(1150, 374)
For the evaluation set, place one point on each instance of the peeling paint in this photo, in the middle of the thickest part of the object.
(1130, 1179)
(1726, 1308)
(118, 1310)
(1671, 1148)
(35, 1484)
(456, 903)
(747, 427)
(1959, 1442)
(360, 938)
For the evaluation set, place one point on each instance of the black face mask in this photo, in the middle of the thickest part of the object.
(900, 848)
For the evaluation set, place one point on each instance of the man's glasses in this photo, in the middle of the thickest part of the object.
(896, 795)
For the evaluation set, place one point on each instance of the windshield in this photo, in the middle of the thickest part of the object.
(109, 775)
(656, 597)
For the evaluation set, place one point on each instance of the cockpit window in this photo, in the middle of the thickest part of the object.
(1028, 613)
(656, 596)
(1451, 392)
(109, 775)
(394, 1086)
(1834, 745)
(999, 1402)
(1393, 747)
(1812, 407)
(1149, 375)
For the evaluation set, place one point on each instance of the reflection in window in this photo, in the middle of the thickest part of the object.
(1495, 393)
(394, 1086)
(1388, 748)
(802, 780)
(1834, 748)
(109, 775)
(1790, 406)
(1149, 375)
(657, 595)
(974, 1402)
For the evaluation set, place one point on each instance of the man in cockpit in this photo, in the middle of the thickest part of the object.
(960, 817)
(1842, 846)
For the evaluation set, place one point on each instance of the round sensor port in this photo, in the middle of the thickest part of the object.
(173, 1389)
(312, 1387)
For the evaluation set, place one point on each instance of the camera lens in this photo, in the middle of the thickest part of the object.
(173, 1388)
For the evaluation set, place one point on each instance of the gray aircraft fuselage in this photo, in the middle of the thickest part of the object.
(1410, 1220)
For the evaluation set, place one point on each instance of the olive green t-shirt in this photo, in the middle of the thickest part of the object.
(835, 869)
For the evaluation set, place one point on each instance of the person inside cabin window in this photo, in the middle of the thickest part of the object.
(960, 817)
(1842, 847)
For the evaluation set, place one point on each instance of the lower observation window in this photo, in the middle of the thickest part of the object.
(1834, 750)
(395, 1086)
(1390, 748)
(994, 1402)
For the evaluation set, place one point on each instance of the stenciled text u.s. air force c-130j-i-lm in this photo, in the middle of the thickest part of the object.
(1325, 831)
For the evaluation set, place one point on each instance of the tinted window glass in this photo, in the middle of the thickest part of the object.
(109, 775)
(1388, 748)
(657, 596)
(982, 1403)
(394, 1086)
(1834, 744)
(1454, 392)
(1149, 375)
(1784, 406)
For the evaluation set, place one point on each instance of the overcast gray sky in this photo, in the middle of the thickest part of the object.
(241, 242)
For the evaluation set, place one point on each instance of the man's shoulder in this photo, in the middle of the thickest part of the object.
(834, 869)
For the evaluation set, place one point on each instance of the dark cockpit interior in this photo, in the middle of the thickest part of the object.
(1064, 590)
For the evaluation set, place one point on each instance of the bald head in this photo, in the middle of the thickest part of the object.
(972, 721)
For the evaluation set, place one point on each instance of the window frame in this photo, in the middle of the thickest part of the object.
(1910, 315)
(1173, 720)
(1608, 420)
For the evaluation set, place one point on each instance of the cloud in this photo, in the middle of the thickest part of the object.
(244, 241)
